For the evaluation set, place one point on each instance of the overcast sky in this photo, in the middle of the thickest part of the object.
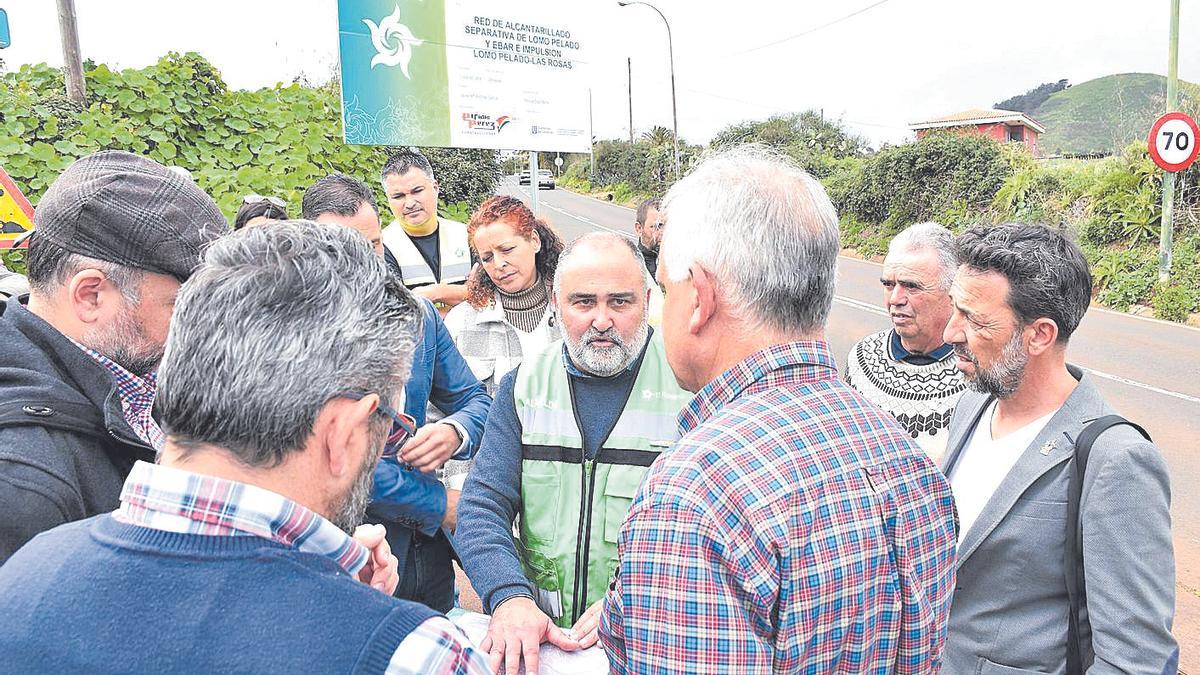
(896, 62)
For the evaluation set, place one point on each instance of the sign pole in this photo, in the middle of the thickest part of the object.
(591, 138)
(1168, 197)
(533, 182)
(629, 79)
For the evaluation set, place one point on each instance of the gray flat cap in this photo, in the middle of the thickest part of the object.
(126, 209)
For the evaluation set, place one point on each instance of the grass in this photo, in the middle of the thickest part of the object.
(1105, 114)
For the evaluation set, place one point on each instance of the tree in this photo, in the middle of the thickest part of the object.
(1030, 100)
(658, 136)
(812, 141)
(808, 129)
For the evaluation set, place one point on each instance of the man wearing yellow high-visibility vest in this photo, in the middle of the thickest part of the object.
(431, 252)
(570, 435)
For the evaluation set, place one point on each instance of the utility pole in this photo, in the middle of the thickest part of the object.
(629, 69)
(1168, 196)
(72, 61)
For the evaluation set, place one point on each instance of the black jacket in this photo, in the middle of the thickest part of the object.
(65, 448)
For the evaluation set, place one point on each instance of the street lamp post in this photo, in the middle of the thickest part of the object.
(671, 53)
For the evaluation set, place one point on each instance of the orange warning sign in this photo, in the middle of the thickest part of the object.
(16, 214)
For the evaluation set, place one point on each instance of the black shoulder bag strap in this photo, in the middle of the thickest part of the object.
(1073, 548)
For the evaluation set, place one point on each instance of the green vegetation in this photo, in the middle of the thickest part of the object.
(1106, 114)
(1030, 100)
(273, 141)
(1110, 205)
(278, 140)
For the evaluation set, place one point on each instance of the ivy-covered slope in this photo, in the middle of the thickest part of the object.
(273, 141)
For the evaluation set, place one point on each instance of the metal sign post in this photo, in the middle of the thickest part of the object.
(533, 182)
(1166, 230)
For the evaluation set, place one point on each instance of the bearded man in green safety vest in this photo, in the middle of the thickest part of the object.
(570, 435)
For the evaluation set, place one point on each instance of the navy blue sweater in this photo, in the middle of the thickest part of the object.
(491, 497)
(99, 595)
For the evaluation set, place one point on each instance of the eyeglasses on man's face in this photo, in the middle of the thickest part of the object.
(404, 426)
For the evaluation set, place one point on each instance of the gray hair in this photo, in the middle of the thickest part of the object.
(764, 228)
(400, 162)
(929, 237)
(338, 194)
(277, 321)
(50, 267)
(601, 240)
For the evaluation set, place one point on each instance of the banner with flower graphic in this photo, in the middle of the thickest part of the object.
(465, 74)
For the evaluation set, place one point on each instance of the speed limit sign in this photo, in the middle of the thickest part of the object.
(1173, 144)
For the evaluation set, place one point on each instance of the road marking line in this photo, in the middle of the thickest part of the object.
(867, 307)
(858, 304)
(1142, 385)
(582, 219)
(1092, 308)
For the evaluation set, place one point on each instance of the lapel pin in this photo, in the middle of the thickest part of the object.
(1049, 446)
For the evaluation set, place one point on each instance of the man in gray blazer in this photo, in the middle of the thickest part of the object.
(1019, 293)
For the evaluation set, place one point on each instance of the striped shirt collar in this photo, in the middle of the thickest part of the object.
(174, 500)
(810, 361)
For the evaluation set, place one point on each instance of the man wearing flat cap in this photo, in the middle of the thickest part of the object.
(114, 237)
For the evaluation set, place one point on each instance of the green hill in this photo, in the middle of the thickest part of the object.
(1106, 114)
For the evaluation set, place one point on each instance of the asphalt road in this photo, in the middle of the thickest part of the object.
(1148, 370)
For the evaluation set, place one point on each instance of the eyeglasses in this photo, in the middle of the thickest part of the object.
(403, 426)
(258, 199)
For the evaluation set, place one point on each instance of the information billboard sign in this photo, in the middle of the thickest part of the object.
(464, 73)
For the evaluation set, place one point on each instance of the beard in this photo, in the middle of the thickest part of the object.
(607, 361)
(1003, 377)
(125, 342)
(348, 512)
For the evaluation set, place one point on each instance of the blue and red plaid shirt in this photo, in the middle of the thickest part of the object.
(793, 528)
(165, 498)
(137, 398)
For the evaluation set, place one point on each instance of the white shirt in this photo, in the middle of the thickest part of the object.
(984, 464)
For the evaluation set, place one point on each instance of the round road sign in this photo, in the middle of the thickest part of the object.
(1173, 141)
(558, 161)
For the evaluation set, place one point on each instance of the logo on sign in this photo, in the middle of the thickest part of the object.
(482, 123)
(393, 41)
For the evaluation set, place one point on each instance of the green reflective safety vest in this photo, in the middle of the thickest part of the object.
(572, 508)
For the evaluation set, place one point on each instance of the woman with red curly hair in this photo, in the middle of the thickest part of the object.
(507, 315)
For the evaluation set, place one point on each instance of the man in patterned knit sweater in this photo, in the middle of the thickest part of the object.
(908, 370)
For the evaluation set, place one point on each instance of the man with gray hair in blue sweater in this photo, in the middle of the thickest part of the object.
(285, 360)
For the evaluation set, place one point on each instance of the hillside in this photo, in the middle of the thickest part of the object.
(1106, 114)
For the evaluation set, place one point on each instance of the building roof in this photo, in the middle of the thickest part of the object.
(978, 116)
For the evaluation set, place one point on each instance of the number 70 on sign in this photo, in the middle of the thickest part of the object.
(1173, 141)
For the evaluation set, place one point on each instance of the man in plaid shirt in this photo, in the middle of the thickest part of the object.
(794, 527)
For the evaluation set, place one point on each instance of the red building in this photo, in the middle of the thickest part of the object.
(1005, 126)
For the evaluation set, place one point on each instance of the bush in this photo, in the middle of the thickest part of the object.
(1126, 192)
(576, 177)
(1174, 302)
(807, 137)
(913, 182)
(273, 141)
(1130, 276)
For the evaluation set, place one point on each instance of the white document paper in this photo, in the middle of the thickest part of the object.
(553, 661)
